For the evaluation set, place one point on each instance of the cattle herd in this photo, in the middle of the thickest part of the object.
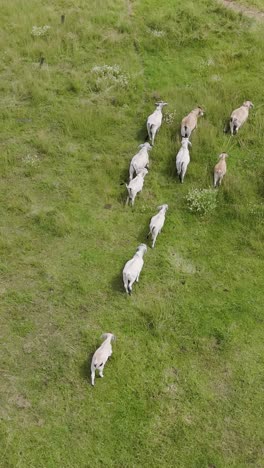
(138, 169)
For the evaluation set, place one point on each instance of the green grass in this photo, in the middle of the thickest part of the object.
(184, 385)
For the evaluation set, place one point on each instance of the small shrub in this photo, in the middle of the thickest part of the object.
(201, 201)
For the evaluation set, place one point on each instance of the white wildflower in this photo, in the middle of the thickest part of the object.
(216, 78)
(157, 33)
(257, 210)
(110, 75)
(210, 61)
(31, 159)
(40, 30)
(169, 117)
(71, 36)
(202, 201)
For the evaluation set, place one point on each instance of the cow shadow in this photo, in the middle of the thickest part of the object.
(142, 135)
(85, 371)
(117, 283)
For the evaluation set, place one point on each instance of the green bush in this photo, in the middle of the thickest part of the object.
(201, 201)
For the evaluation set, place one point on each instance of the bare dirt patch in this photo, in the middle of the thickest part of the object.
(130, 7)
(181, 264)
(244, 10)
(21, 402)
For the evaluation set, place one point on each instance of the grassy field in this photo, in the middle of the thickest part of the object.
(184, 387)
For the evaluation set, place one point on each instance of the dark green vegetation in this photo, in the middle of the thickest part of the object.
(184, 385)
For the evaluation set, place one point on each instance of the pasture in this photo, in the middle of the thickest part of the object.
(184, 387)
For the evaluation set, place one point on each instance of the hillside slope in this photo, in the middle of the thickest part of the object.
(184, 385)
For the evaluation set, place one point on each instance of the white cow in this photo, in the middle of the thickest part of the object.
(157, 223)
(183, 158)
(154, 121)
(239, 116)
(135, 186)
(101, 355)
(133, 267)
(220, 169)
(140, 160)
